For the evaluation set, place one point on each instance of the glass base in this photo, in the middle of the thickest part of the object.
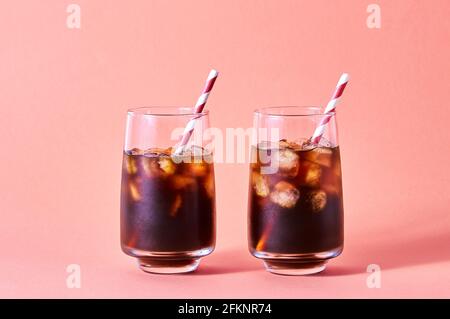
(294, 268)
(158, 266)
(296, 264)
(167, 262)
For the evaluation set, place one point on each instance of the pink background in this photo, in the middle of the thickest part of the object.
(64, 94)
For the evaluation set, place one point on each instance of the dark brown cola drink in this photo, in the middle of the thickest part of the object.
(167, 209)
(296, 211)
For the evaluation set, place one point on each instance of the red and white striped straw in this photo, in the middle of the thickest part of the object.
(331, 106)
(199, 106)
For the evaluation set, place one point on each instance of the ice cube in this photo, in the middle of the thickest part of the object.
(155, 151)
(158, 151)
(312, 176)
(168, 150)
(332, 187)
(175, 205)
(134, 191)
(166, 164)
(320, 155)
(301, 142)
(151, 166)
(283, 143)
(285, 194)
(196, 150)
(197, 169)
(192, 154)
(325, 143)
(209, 185)
(135, 151)
(331, 182)
(130, 164)
(181, 181)
(260, 184)
(317, 200)
(293, 145)
(261, 159)
(288, 162)
(308, 144)
(208, 156)
(268, 145)
(337, 168)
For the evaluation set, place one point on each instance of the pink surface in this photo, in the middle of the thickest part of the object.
(64, 93)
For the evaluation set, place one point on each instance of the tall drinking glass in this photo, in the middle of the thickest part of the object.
(295, 215)
(167, 199)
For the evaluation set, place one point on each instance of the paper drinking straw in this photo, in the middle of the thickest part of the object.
(199, 106)
(331, 106)
(318, 133)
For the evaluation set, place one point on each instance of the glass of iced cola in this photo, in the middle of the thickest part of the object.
(295, 214)
(167, 211)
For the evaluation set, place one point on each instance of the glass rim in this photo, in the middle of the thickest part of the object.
(165, 111)
(292, 111)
